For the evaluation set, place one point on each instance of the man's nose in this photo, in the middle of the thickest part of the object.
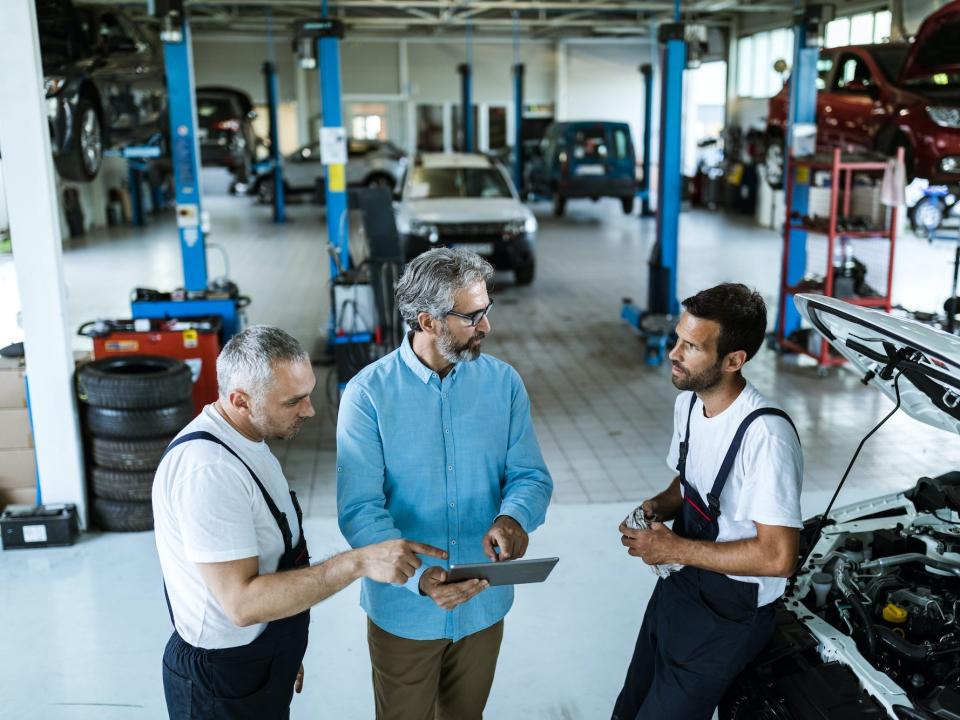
(484, 325)
(309, 412)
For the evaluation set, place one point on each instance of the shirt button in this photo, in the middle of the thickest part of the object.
(446, 430)
(453, 542)
(449, 467)
(453, 504)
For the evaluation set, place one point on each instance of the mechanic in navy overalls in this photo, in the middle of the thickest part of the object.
(735, 506)
(237, 577)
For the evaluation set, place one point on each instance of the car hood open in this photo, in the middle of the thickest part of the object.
(883, 347)
(936, 47)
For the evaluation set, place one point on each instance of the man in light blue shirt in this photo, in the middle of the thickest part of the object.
(435, 444)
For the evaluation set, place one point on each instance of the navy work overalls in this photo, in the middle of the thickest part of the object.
(249, 682)
(701, 627)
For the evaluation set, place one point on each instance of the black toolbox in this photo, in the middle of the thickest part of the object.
(26, 526)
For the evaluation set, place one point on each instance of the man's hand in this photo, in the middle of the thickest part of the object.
(650, 509)
(506, 534)
(656, 546)
(394, 561)
(433, 583)
(298, 683)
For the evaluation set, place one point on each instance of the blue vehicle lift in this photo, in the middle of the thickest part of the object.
(276, 159)
(192, 300)
(646, 70)
(318, 43)
(811, 22)
(518, 71)
(466, 94)
(656, 322)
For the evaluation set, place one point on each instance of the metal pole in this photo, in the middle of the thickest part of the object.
(802, 109)
(273, 98)
(178, 58)
(466, 90)
(276, 158)
(38, 258)
(518, 70)
(646, 70)
(335, 174)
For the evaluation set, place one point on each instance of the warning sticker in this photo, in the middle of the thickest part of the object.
(34, 533)
(122, 345)
(337, 175)
(191, 338)
(803, 175)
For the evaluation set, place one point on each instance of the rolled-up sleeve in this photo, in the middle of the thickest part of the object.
(527, 486)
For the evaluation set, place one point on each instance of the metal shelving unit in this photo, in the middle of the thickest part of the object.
(841, 178)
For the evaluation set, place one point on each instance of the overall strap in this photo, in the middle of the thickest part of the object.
(685, 445)
(713, 497)
(280, 517)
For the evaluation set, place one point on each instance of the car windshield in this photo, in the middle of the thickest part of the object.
(213, 108)
(890, 59)
(456, 183)
(590, 144)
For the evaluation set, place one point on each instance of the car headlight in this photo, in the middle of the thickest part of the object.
(424, 229)
(948, 117)
(52, 85)
(530, 226)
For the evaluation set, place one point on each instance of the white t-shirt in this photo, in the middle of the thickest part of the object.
(764, 484)
(208, 509)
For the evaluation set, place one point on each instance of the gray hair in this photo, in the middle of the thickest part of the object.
(433, 278)
(247, 362)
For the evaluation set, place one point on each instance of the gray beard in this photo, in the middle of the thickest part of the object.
(453, 353)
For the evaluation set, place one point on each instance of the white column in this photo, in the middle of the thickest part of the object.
(560, 110)
(448, 127)
(37, 256)
(303, 104)
(483, 129)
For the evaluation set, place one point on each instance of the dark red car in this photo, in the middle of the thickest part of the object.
(881, 97)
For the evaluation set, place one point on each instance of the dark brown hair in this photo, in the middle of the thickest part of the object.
(741, 313)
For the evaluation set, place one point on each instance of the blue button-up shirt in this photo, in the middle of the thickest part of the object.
(436, 462)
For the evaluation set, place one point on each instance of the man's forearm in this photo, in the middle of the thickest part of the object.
(284, 594)
(746, 557)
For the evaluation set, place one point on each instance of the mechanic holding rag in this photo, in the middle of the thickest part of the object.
(735, 506)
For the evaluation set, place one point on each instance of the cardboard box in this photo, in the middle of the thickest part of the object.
(15, 430)
(13, 392)
(18, 469)
(21, 496)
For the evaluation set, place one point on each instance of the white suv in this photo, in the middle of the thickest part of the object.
(467, 201)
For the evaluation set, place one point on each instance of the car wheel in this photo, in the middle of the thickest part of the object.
(774, 161)
(524, 273)
(81, 159)
(926, 216)
(379, 180)
(559, 205)
(265, 191)
(627, 205)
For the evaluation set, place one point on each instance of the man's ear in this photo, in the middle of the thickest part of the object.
(239, 401)
(735, 361)
(428, 323)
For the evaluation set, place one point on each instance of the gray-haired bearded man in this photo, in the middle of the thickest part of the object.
(229, 535)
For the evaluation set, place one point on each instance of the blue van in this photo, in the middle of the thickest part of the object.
(585, 159)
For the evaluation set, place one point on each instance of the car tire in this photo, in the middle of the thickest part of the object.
(627, 203)
(119, 516)
(775, 161)
(559, 205)
(378, 180)
(926, 216)
(81, 159)
(524, 273)
(135, 382)
(129, 455)
(122, 485)
(138, 424)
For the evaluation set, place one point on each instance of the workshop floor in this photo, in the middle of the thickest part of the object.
(93, 616)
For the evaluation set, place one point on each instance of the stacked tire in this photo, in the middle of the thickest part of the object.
(133, 407)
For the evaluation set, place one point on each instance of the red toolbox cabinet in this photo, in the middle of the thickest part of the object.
(196, 341)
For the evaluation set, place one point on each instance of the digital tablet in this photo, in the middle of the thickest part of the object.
(507, 572)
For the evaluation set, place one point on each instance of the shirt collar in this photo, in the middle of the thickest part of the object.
(413, 362)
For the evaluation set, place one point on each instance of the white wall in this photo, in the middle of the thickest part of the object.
(237, 63)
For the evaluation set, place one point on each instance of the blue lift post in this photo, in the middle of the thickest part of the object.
(802, 112)
(276, 159)
(646, 70)
(657, 321)
(518, 70)
(193, 300)
(466, 95)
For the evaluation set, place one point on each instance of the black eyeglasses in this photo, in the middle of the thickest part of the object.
(474, 318)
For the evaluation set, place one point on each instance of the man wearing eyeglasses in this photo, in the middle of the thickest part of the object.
(435, 444)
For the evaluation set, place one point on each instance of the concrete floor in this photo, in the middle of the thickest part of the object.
(91, 617)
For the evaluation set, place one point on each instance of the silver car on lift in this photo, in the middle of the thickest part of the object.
(370, 163)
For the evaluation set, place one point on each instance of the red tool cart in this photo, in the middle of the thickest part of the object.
(196, 341)
(841, 192)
